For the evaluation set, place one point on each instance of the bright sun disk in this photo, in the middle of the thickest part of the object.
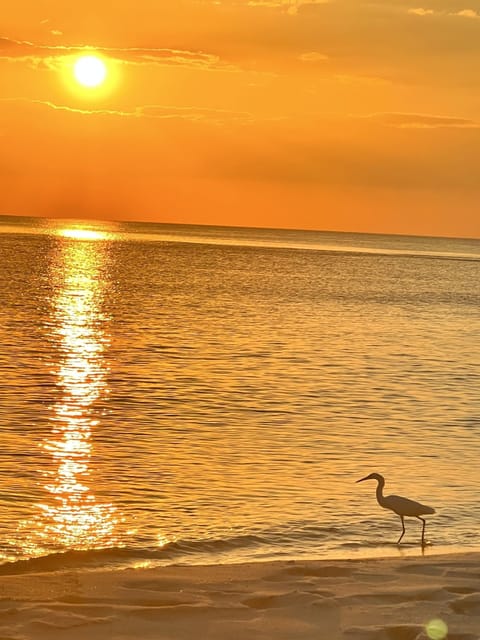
(90, 71)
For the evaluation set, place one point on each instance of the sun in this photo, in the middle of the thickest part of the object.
(90, 71)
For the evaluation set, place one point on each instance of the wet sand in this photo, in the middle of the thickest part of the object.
(381, 599)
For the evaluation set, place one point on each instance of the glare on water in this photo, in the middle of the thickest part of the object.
(71, 516)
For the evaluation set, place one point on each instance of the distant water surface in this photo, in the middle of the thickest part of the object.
(202, 394)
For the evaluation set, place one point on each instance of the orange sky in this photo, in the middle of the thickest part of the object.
(343, 114)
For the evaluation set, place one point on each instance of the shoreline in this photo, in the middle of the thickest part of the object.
(356, 599)
(121, 558)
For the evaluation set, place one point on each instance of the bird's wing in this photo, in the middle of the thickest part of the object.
(405, 507)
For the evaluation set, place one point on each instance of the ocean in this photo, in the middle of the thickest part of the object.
(193, 395)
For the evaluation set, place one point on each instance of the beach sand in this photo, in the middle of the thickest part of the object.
(380, 599)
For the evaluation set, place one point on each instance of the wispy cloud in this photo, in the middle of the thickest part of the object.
(421, 121)
(48, 54)
(164, 112)
(421, 12)
(467, 13)
(462, 13)
(313, 56)
(288, 6)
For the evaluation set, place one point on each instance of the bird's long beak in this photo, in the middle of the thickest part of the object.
(362, 479)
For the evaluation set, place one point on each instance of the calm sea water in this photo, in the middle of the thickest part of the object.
(178, 394)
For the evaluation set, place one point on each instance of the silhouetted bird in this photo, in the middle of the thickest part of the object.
(401, 506)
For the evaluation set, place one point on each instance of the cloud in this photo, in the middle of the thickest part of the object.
(462, 13)
(361, 37)
(47, 54)
(164, 112)
(422, 121)
(437, 157)
(313, 56)
(288, 6)
(467, 13)
(421, 12)
(197, 114)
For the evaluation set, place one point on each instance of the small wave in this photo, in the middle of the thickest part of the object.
(269, 544)
(90, 558)
(116, 557)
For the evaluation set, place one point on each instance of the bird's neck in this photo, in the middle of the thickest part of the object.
(380, 485)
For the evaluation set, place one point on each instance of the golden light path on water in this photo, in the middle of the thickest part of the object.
(71, 517)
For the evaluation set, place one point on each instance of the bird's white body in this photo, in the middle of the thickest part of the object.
(399, 505)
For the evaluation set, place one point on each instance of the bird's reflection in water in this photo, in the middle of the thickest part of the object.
(70, 516)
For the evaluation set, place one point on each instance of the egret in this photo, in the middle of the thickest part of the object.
(401, 506)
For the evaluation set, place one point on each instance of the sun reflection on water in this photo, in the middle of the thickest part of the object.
(81, 234)
(70, 516)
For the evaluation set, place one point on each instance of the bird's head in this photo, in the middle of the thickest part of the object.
(373, 476)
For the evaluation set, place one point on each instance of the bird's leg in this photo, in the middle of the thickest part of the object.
(423, 530)
(403, 529)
